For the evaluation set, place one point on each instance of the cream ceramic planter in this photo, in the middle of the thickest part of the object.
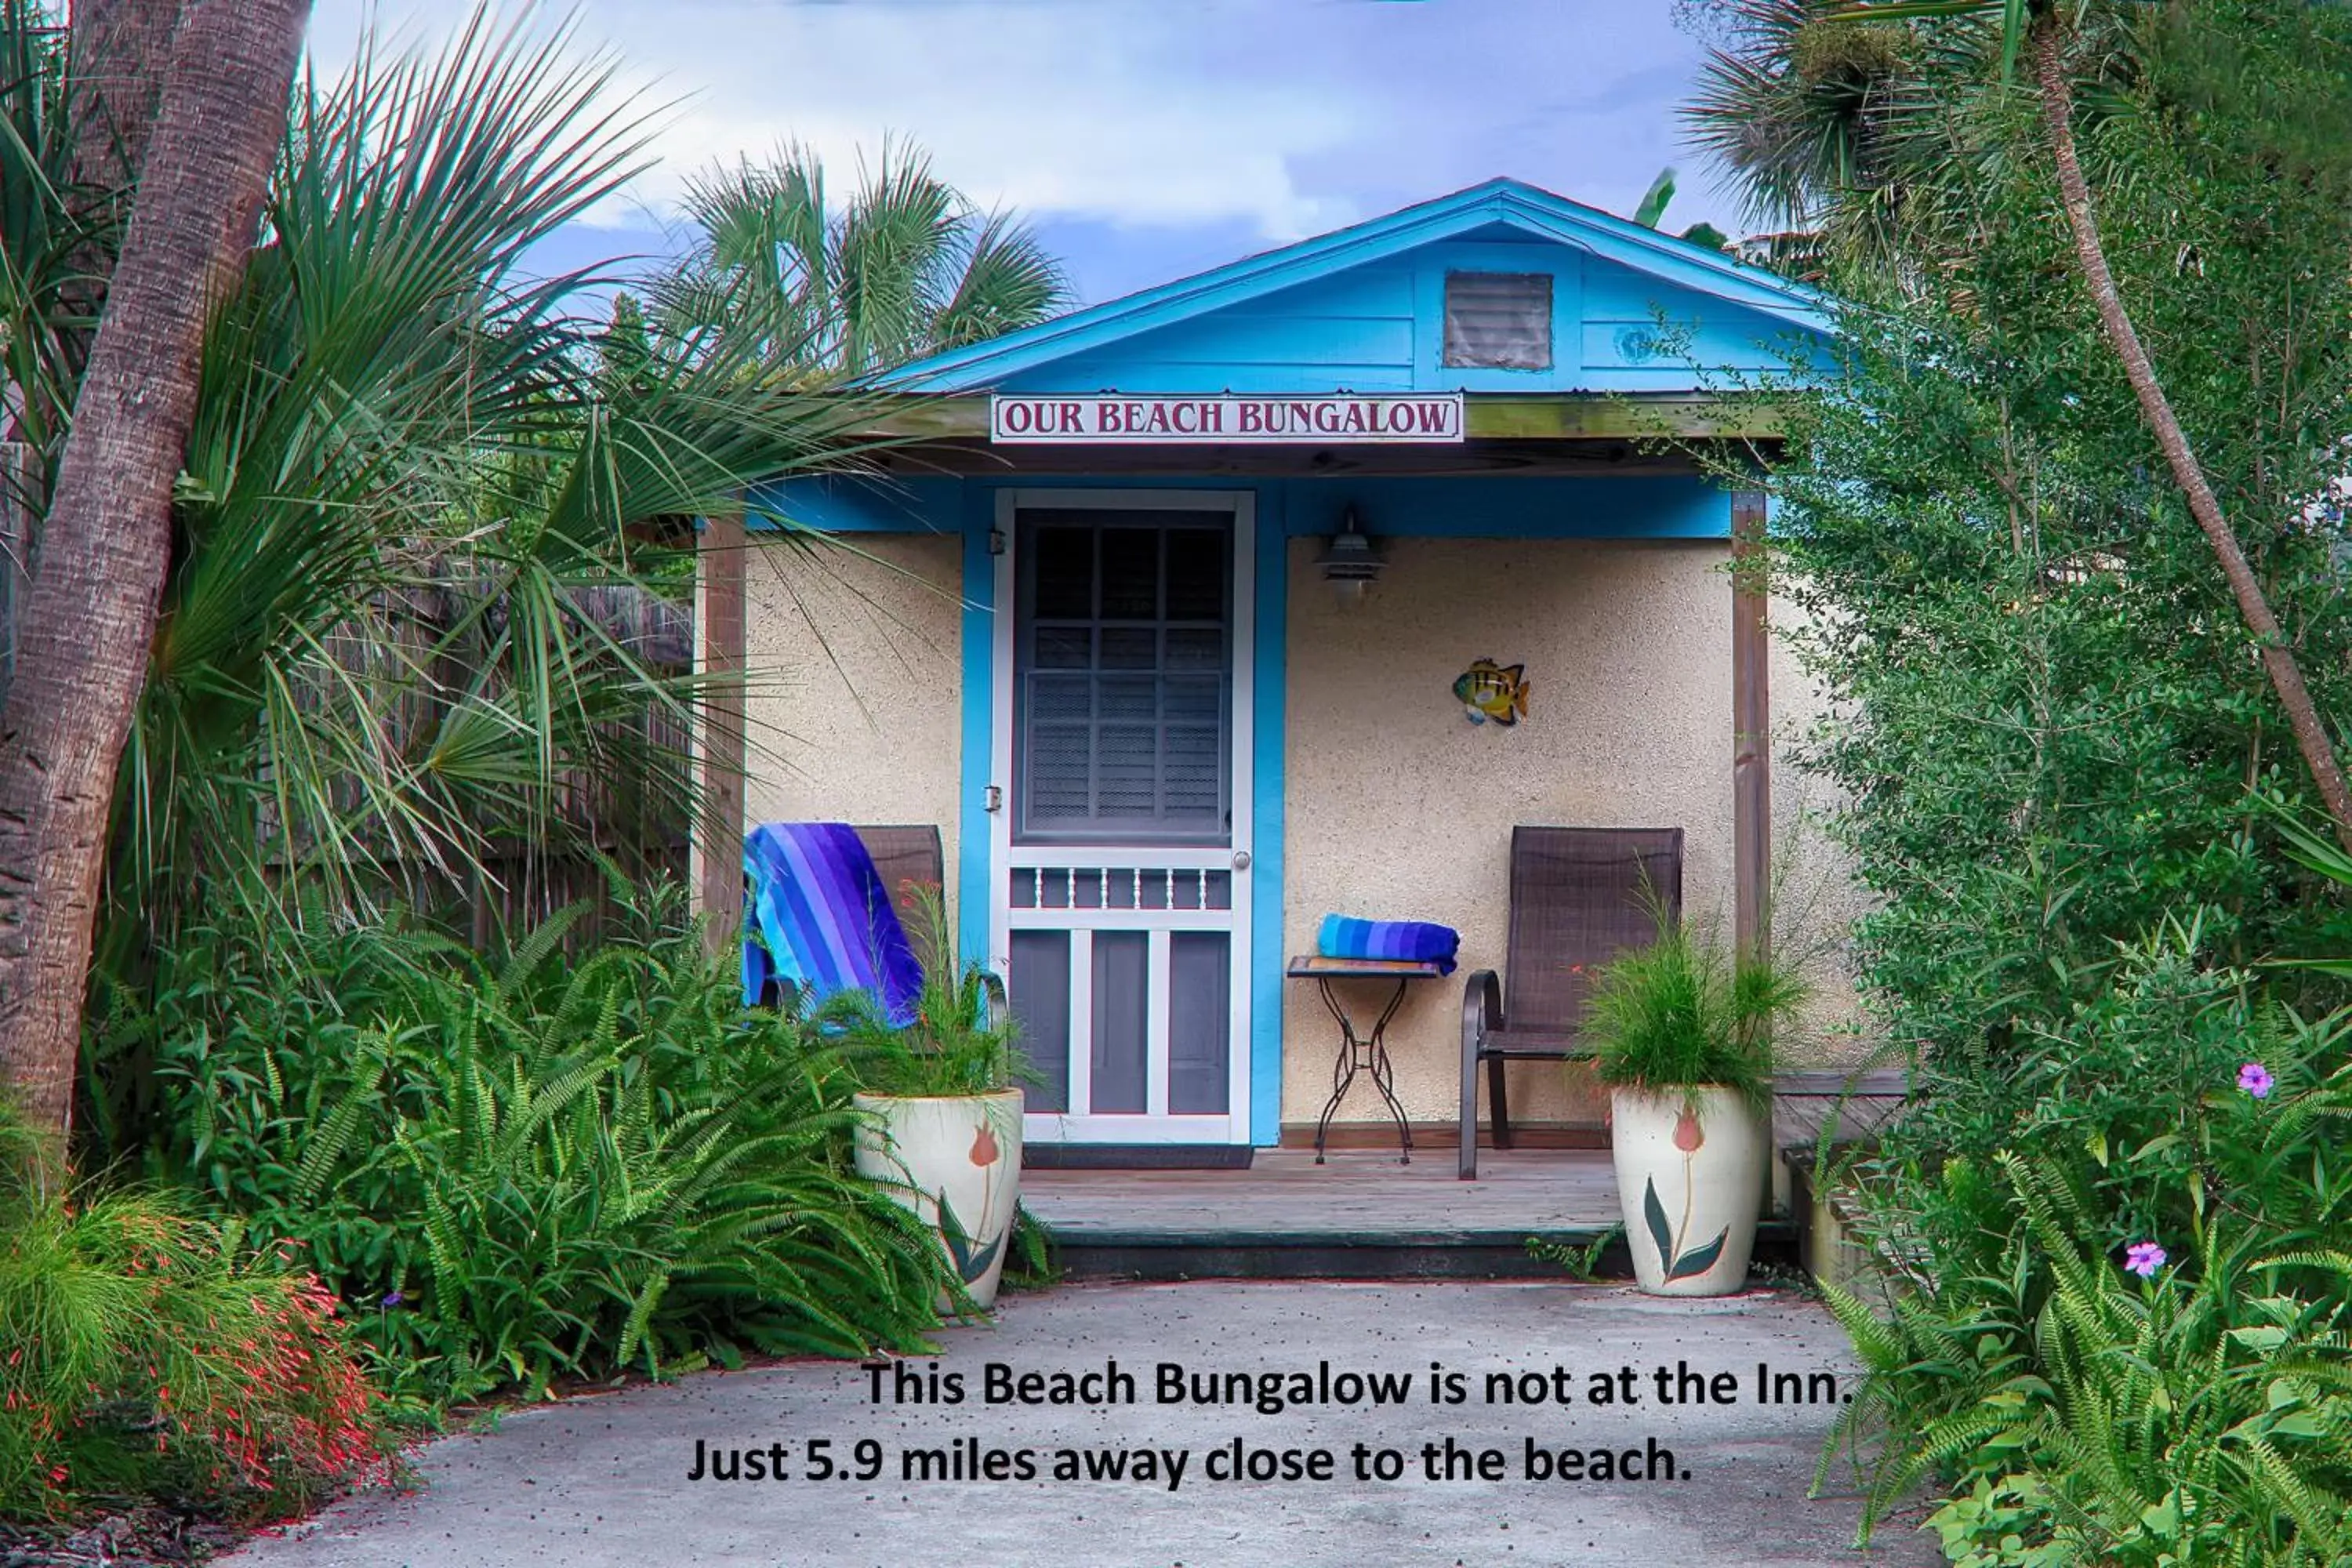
(1690, 1176)
(956, 1162)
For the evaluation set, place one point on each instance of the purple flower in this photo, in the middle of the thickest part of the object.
(2255, 1080)
(2144, 1259)
(391, 1299)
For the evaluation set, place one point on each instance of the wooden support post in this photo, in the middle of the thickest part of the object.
(719, 651)
(1751, 730)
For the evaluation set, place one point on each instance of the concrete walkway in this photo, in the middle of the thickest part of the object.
(605, 1480)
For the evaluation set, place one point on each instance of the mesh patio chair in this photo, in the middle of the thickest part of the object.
(1578, 896)
(909, 860)
(901, 855)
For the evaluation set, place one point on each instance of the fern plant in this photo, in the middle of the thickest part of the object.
(542, 1168)
(2199, 1416)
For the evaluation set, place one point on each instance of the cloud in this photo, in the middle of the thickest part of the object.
(1098, 109)
(1146, 137)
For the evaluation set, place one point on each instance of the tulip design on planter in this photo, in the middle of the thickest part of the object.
(1689, 1136)
(1690, 1167)
(973, 1265)
(1681, 1033)
(954, 1160)
(940, 1129)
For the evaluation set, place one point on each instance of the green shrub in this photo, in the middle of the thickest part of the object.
(142, 1352)
(2197, 1416)
(2132, 1076)
(552, 1168)
(2044, 728)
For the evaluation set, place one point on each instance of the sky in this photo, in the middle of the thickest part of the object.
(1143, 139)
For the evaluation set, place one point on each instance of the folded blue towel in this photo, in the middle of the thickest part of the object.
(1418, 941)
(824, 919)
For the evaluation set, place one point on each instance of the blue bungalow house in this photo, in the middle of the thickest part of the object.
(1160, 613)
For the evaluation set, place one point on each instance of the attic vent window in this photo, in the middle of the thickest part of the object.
(1498, 321)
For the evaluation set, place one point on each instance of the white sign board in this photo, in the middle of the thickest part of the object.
(1223, 420)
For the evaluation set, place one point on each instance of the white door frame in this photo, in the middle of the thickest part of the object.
(1156, 1124)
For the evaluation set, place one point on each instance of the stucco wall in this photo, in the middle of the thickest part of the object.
(1397, 807)
(1396, 804)
(856, 668)
(1814, 895)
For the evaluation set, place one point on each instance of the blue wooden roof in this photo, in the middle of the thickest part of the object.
(1361, 309)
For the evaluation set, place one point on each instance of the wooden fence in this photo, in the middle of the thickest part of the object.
(615, 810)
(641, 827)
(638, 825)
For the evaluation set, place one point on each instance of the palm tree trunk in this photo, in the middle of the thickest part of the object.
(114, 76)
(90, 617)
(2278, 657)
(114, 70)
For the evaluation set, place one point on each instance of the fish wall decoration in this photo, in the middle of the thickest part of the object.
(1490, 691)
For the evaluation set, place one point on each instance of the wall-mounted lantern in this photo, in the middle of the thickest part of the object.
(1349, 563)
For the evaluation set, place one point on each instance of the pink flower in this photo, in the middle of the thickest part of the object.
(2255, 1080)
(1688, 1134)
(984, 1151)
(2144, 1259)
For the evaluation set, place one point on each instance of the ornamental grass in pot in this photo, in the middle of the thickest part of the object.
(940, 1124)
(1681, 1032)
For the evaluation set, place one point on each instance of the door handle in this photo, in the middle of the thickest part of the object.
(1241, 859)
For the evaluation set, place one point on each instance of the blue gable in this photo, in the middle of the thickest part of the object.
(1362, 310)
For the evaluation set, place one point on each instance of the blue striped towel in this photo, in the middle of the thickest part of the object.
(1418, 941)
(823, 920)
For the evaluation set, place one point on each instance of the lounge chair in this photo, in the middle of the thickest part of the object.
(1578, 896)
(845, 931)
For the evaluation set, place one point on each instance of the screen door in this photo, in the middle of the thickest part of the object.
(1120, 837)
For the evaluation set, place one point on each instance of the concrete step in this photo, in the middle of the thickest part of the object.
(1211, 1252)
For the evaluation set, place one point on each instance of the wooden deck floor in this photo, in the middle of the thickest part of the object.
(1360, 1195)
(1362, 1216)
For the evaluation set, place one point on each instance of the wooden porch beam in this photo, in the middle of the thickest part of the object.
(1472, 458)
(1615, 417)
(1751, 730)
(1515, 416)
(719, 653)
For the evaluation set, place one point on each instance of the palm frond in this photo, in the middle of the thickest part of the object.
(409, 476)
(903, 268)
